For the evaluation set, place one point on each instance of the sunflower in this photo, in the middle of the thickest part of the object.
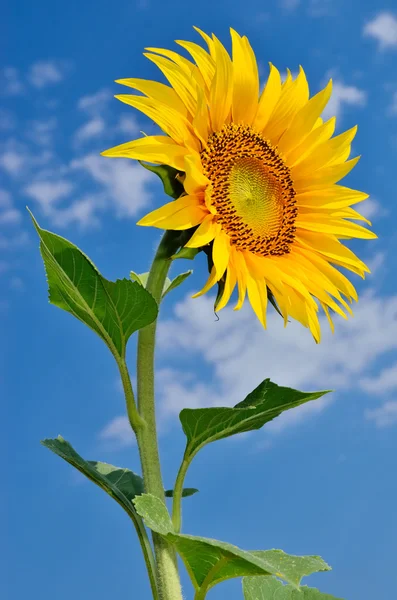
(260, 173)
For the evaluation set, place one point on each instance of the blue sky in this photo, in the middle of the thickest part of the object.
(320, 479)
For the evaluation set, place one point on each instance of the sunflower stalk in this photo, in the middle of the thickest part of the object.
(166, 560)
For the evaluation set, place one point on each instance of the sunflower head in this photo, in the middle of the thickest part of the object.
(260, 173)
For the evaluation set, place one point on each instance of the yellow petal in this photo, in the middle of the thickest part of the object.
(331, 247)
(205, 233)
(201, 118)
(333, 196)
(293, 97)
(180, 214)
(304, 120)
(325, 176)
(245, 80)
(325, 224)
(257, 295)
(268, 100)
(195, 181)
(330, 321)
(155, 149)
(179, 79)
(241, 270)
(329, 153)
(221, 253)
(310, 143)
(221, 87)
(230, 284)
(202, 59)
(211, 281)
(209, 41)
(170, 121)
(156, 91)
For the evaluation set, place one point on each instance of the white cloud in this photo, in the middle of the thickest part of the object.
(290, 4)
(46, 72)
(118, 432)
(12, 242)
(81, 212)
(11, 162)
(240, 354)
(41, 132)
(341, 95)
(7, 120)
(10, 216)
(125, 183)
(383, 28)
(93, 128)
(94, 104)
(393, 106)
(128, 125)
(371, 208)
(16, 283)
(384, 416)
(18, 160)
(376, 262)
(48, 193)
(5, 199)
(10, 82)
(383, 383)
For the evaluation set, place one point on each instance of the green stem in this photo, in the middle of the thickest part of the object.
(148, 556)
(137, 423)
(134, 417)
(167, 567)
(178, 488)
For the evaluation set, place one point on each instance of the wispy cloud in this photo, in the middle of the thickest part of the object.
(384, 416)
(239, 354)
(383, 28)
(91, 129)
(10, 82)
(342, 95)
(46, 72)
(118, 433)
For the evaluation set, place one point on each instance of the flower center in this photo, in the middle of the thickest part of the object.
(251, 189)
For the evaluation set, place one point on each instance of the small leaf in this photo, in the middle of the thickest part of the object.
(168, 284)
(186, 492)
(154, 512)
(209, 561)
(188, 253)
(269, 588)
(267, 401)
(121, 484)
(176, 282)
(114, 310)
(169, 176)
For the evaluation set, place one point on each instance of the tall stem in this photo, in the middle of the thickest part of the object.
(167, 568)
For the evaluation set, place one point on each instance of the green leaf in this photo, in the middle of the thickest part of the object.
(121, 484)
(186, 492)
(267, 401)
(269, 588)
(189, 253)
(210, 561)
(169, 176)
(176, 282)
(168, 284)
(114, 310)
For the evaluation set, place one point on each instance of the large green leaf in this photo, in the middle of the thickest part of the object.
(114, 310)
(269, 588)
(106, 476)
(169, 176)
(267, 401)
(121, 484)
(210, 561)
